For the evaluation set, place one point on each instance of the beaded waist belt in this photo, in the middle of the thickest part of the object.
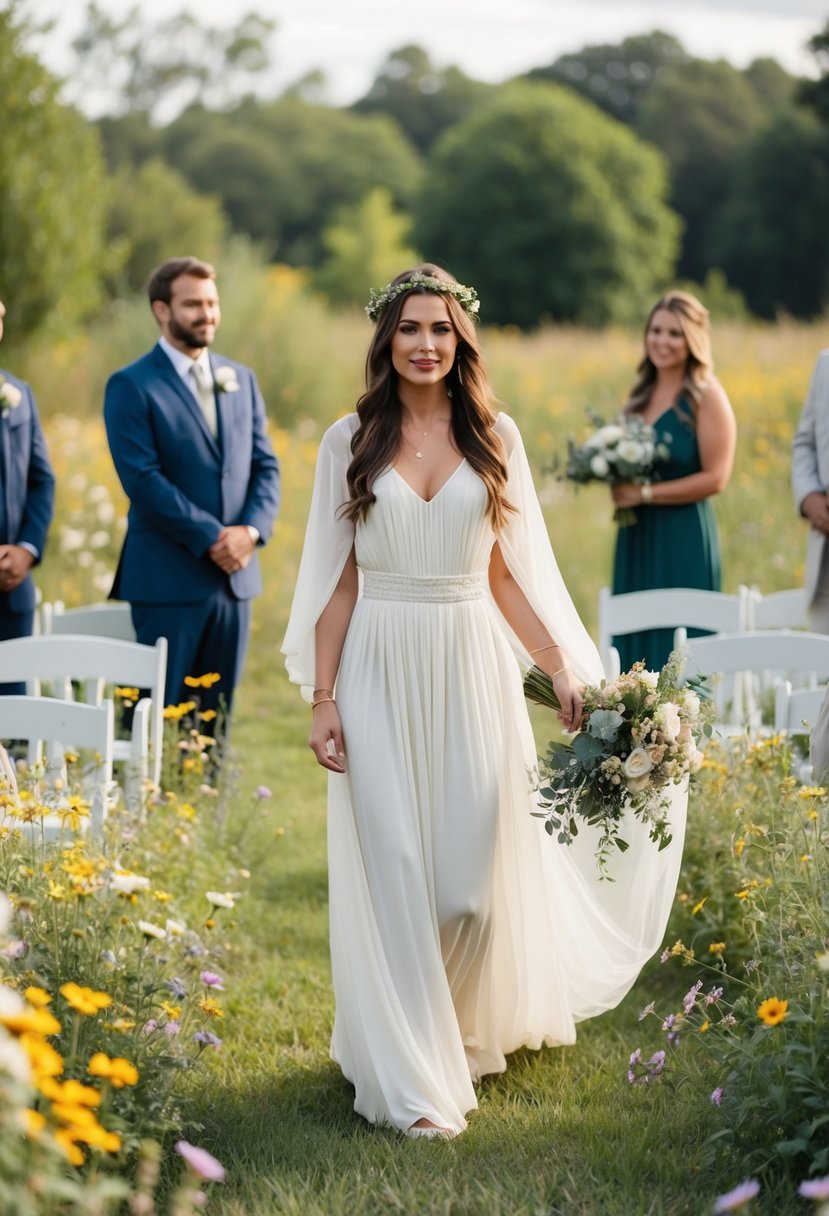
(444, 589)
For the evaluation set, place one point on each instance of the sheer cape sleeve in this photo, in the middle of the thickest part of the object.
(525, 545)
(328, 541)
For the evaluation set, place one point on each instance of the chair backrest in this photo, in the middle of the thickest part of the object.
(63, 658)
(778, 610)
(754, 654)
(67, 725)
(109, 620)
(668, 608)
(796, 711)
(758, 650)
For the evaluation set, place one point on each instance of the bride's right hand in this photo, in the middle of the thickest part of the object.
(568, 690)
(326, 738)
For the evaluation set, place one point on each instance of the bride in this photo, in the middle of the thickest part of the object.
(459, 933)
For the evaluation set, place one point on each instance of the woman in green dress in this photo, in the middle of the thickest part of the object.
(674, 542)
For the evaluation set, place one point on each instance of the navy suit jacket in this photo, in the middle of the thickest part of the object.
(27, 484)
(184, 486)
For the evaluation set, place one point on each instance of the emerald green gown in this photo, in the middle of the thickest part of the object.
(668, 546)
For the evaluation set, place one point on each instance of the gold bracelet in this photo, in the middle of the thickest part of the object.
(647, 492)
(560, 670)
(330, 691)
(549, 646)
(322, 701)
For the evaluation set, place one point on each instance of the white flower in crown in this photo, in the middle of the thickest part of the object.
(226, 380)
(10, 396)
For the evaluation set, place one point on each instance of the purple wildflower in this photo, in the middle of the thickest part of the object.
(150, 1025)
(657, 1062)
(110, 958)
(648, 1009)
(691, 996)
(669, 1021)
(211, 980)
(664, 956)
(262, 791)
(751, 965)
(196, 950)
(673, 1038)
(713, 996)
(732, 1201)
(814, 1188)
(636, 1056)
(729, 1020)
(716, 1096)
(176, 988)
(206, 1039)
(172, 1027)
(201, 1162)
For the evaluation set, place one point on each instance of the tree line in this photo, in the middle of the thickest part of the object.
(570, 194)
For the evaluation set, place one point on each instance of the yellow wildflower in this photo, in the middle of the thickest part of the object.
(56, 890)
(84, 1000)
(131, 694)
(33, 1122)
(772, 1011)
(716, 947)
(45, 1061)
(30, 1021)
(705, 1026)
(205, 681)
(37, 996)
(813, 791)
(118, 1071)
(739, 845)
(63, 1137)
(212, 1008)
(699, 906)
(207, 715)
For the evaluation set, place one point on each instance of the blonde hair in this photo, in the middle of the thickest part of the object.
(692, 317)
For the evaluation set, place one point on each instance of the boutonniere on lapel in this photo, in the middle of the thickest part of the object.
(11, 396)
(225, 380)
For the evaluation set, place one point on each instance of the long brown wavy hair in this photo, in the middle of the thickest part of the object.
(692, 317)
(377, 439)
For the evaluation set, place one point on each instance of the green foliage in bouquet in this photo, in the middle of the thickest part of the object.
(640, 735)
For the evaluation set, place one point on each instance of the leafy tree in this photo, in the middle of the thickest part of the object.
(550, 209)
(700, 114)
(142, 67)
(154, 215)
(423, 99)
(773, 239)
(366, 246)
(616, 78)
(52, 195)
(815, 93)
(282, 170)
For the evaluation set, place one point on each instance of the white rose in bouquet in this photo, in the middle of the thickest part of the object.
(631, 451)
(637, 764)
(599, 467)
(668, 720)
(606, 436)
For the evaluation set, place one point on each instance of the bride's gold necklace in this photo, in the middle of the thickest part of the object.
(416, 447)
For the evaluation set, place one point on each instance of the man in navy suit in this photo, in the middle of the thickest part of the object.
(27, 495)
(187, 433)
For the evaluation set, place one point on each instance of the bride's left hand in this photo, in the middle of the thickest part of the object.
(568, 690)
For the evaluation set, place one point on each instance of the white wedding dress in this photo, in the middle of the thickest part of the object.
(459, 930)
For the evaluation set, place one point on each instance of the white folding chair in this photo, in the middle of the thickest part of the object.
(761, 652)
(666, 608)
(107, 620)
(778, 610)
(60, 659)
(63, 725)
(796, 710)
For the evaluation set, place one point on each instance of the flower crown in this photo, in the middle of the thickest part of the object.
(467, 297)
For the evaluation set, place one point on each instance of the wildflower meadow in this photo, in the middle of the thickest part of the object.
(165, 1004)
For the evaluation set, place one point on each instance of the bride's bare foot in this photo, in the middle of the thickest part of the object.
(428, 1130)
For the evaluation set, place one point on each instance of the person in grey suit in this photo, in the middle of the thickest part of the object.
(810, 479)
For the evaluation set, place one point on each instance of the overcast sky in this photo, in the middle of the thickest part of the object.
(489, 39)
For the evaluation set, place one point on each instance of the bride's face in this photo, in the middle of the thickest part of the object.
(424, 344)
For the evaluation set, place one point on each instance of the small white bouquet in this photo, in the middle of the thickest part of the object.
(627, 450)
(641, 733)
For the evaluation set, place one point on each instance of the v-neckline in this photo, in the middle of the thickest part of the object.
(437, 492)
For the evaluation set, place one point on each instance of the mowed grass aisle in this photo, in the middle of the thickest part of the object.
(561, 1131)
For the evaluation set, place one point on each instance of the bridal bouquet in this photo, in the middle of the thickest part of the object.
(641, 733)
(628, 450)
